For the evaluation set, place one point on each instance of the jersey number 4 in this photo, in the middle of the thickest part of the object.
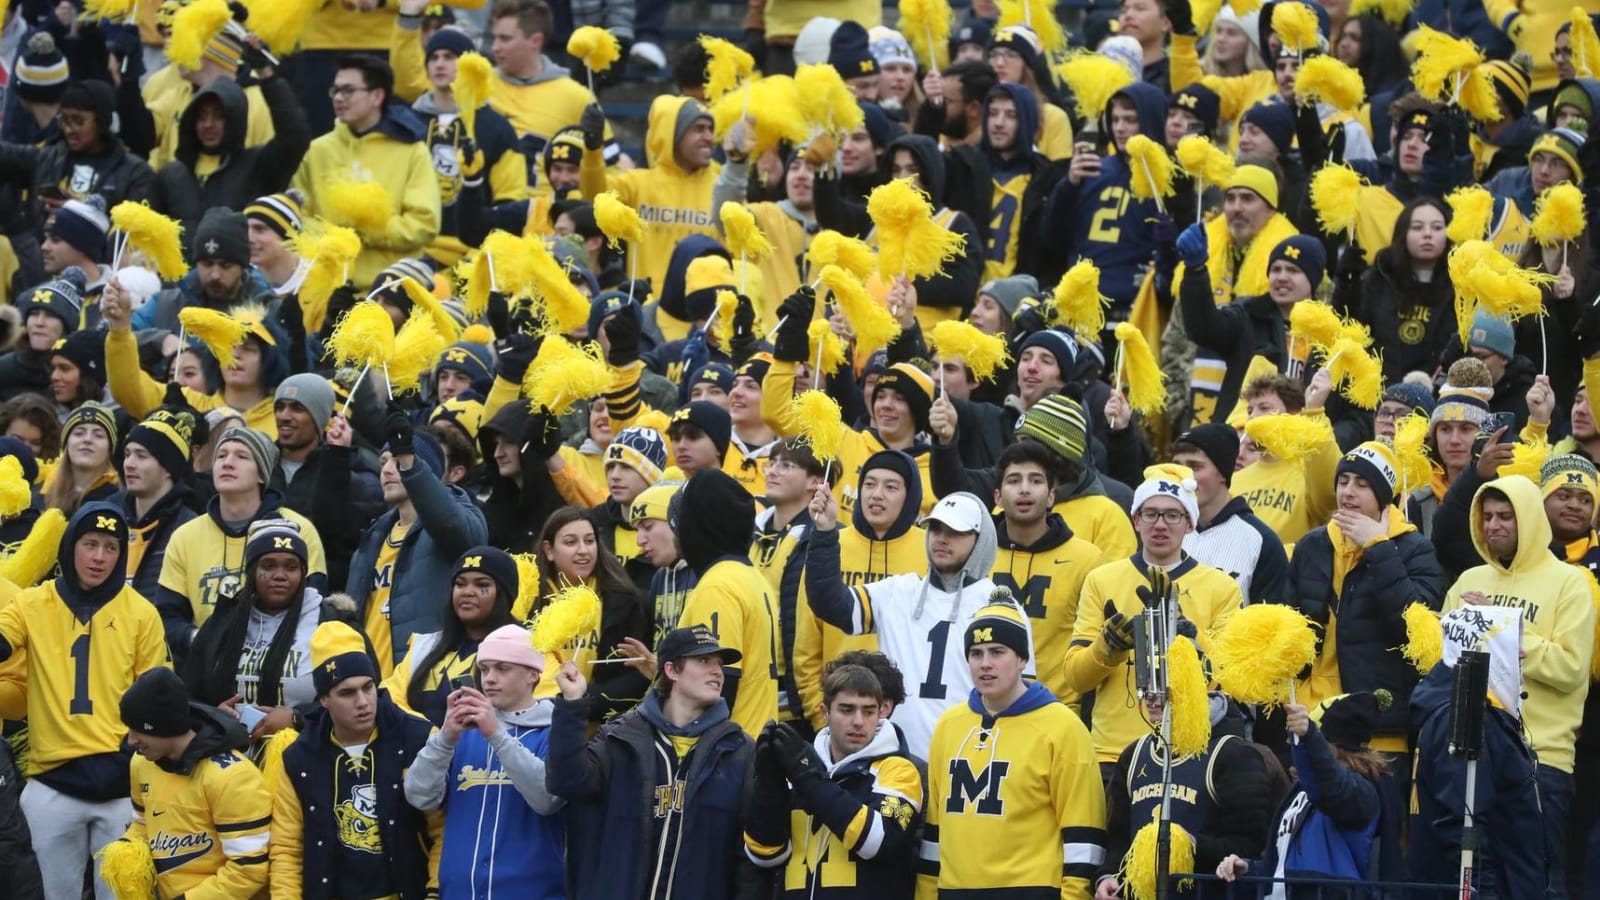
(81, 704)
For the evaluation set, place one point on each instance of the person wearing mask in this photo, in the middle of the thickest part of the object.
(87, 159)
(634, 461)
(156, 497)
(86, 474)
(1228, 536)
(855, 783)
(485, 769)
(199, 805)
(1512, 535)
(273, 221)
(650, 796)
(87, 636)
(49, 312)
(379, 137)
(341, 826)
(783, 530)
(1019, 807)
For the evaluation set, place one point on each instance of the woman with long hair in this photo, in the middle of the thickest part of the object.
(1406, 297)
(1371, 46)
(899, 93)
(32, 420)
(570, 556)
(85, 472)
(482, 593)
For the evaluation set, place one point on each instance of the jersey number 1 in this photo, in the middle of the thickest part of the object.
(81, 704)
(932, 687)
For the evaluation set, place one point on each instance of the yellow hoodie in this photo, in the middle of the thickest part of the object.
(139, 394)
(1558, 610)
(672, 202)
(336, 26)
(394, 155)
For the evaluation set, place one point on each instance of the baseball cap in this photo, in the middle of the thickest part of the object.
(696, 640)
(958, 512)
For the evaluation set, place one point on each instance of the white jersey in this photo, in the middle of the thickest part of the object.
(928, 648)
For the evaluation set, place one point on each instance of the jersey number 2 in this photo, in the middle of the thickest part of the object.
(932, 687)
(81, 704)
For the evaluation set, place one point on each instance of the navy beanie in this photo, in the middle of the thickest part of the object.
(1277, 120)
(1061, 344)
(610, 303)
(1415, 396)
(452, 39)
(878, 126)
(1304, 253)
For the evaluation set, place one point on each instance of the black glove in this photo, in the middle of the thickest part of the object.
(499, 314)
(1351, 266)
(593, 125)
(637, 289)
(744, 330)
(542, 435)
(754, 42)
(398, 430)
(801, 763)
(1181, 17)
(1587, 334)
(789, 341)
(1118, 630)
(767, 768)
(255, 59)
(625, 332)
(1160, 586)
(516, 353)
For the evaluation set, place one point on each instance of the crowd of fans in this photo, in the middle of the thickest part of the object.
(276, 623)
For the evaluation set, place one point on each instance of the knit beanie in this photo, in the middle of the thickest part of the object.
(755, 368)
(464, 411)
(311, 391)
(1416, 397)
(704, 278)
(972, 31)
(1010, 292)
(261, 447)
(425, 449)
(641, 449)
(511, 644)
(896, 461)
(1201, 102)
(83, 224)
(913, 385)
(1492, 333)
(813, 44)
(611, 303)
(567, 146)
(90, 413)
(1573, 94)
(1126, 51)
(1021, 40)
(710, 418)
(168, 435)
(999, 621)
(653, 502)
(42, 71)
(713, 373)
(1348, 720)
(274, 536)
(1569, 470)
(1062, 344)
(86, 350)
(1218, 442)
(849, 51)
(1374, 462)
(890, 46)
(1169, 480)
(156, 704)
(1304, 253)
(1565, 144)
(338, 653)
(1276, 119)
(14, 447)
(1511, 83)
(880, 128)
(1057, 422)
(93, 96)
(450, 40)
(223, 235)
(61, 297)
(283, 213)
(471, 360)
(689, 113)
(387, 288)
(1465, 397)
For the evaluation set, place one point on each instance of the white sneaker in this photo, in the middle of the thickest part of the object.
(646, 53)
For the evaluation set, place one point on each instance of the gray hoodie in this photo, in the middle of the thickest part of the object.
(425, 780)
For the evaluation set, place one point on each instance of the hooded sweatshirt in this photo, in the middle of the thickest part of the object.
(206, 815)
(500, 164)
(86, 647)
(167, 94)
(539, 107)
(1018, 810)
(1008, 231)
(948, 295)
(920, 621)
(1047, 577)
(1557, 601)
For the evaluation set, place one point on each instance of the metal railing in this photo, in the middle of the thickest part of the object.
(1259, 887)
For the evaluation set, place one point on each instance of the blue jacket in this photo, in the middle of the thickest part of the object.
(1334, 817)
(448, 525)
(610, 785)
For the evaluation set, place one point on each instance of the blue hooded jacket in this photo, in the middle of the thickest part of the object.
(1027, 126)
(670, 295)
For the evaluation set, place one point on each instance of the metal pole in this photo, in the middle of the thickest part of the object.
(1469, 837)
(1164, 825)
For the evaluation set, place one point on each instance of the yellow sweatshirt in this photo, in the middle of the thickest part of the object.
(1291, 497)
(1532, 26)
(1206, 596)
(1558, 611)
(1098, 519)
(785, 18)
(1055, 132)
(208, 830)
(541, 107)
(167, 94)
(1047, 579)
(394, 155)
(337, 27)
(139, 394)
(736, 603)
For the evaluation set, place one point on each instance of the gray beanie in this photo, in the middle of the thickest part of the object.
(312, 392)
(1010, 292)
(261, 448)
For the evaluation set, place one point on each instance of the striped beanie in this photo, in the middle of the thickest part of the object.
(280, 212)
(1564, 144)
(42, 71)
(1000, 621)
(168, 435)
(1465, 397)
(465, 411)
(1057, 422)
(1569, 470)
(90, 413)
(1373, 462)
(640, 449)
(387, 287)
(1511, 82)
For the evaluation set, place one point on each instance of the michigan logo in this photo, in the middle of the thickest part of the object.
(170, 851)
(981, 788)
(898, 810)
(358, 821)
(105, 523)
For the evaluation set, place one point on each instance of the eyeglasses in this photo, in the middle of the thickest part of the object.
(1561, 53)
(345, 90)
(1389, 415)
(1173, 517)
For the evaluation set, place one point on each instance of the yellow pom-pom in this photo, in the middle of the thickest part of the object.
(193, 27)
(1040, 16)
(1424, 638)
(1484, 276)
(1358, 374)
(363, 205)
(1527, 458)
(220, 332)
(1315, 323)
(16, 494)
(331, 249)
(741, 234)
(821, 422)
(983, 353)
(1336, 196)
(1191, 705)
(504, 264)
(128, 869)
(826, 103)
(32, 561)
(1139, 866)
(597, 48)
(910, 242)
(772, 107)
(417, 346)
(527, 586)
(874, 325)
(1411, 453)
(726, 65)
(471, 88)
(1558, 217)
(272, 757)
(1146, 394)
(423, 301)
(1394, 12)
(105, 10)
(617, 220)
(1479, 97)
(562, 373)
(926, 25)
(572, 619)
(365, 336)
(1077, 299)
(1295, 24)
(1471, 208)
(562, 307)
(1325, 78)
(722, 317)
(1289, 436)
(1441, 61)
(830, 248)
(1585, 43)
(826, 346)
(1151, 168)
(158, 237)
(1259, 650)
(1204, 161)
(1093, 78)
(281, 23)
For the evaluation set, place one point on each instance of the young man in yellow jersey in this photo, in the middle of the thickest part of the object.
(199, 804)
(1015, 806)
(87, 636)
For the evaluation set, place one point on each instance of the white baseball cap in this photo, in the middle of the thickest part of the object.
(958, 512)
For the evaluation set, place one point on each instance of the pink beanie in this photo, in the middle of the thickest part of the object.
(511, 644)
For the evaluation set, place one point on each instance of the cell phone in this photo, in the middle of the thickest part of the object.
(463, 681)
(1497, 421)
(250, 714)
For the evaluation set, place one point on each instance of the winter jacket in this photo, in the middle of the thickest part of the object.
(362, 498)
(16, 844)
(492, 791)
(1327, 826)
(621, 844)
(394, 155)
(514, 515)
(115, 174)
(1366, 613)
(162, 309)
(166, 94)
(243, 173)
(148, 536)
(502, 169)
(1240, 544)
(229, 657)
(23, 371)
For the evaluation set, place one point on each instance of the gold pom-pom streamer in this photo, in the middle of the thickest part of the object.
(331, 249)
(874, 325)
(1336, 196)
(722, 318)
(1325, 78)
(1411, 453)
(1188, 699)
(363, 205)
(1289, 436)
(364, 337)
(1358, 373)
(741, 234)
(1424, 646)
(569, 620)
(1527, 458)
(771, 106)
(16, 494)
(1146, 394)
(1205, 162)
(831, 248)
(1479, 97)
(193, 27)
(104, 10)
(1040, 16)
(1558, 216)
(1151, 177)
(1315, 323)
(563, 308)
(825, 346)
(821, 422)
(128, 868)
(926, 26)
(471, 88)
(619, 221)
(1483, 276)
(1093, 78)
(503, 264)
(417, 346)
(1392, 11)
(1442, 63)
(563, 373)
(726, 65)
(1077, 299)
(281, 23)
(1139, 866)
(423, 301)
(220, 332)
(28, 565)
(983, 353)
(597, 48)
(159, 238)
(1295, 24)
(1260, 650)
(272, 757)
(528, 578)
(910, 243)
(1471, 208)
(826, 103)
(1585, 44)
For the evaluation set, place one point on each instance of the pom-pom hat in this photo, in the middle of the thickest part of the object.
(1169, 480)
